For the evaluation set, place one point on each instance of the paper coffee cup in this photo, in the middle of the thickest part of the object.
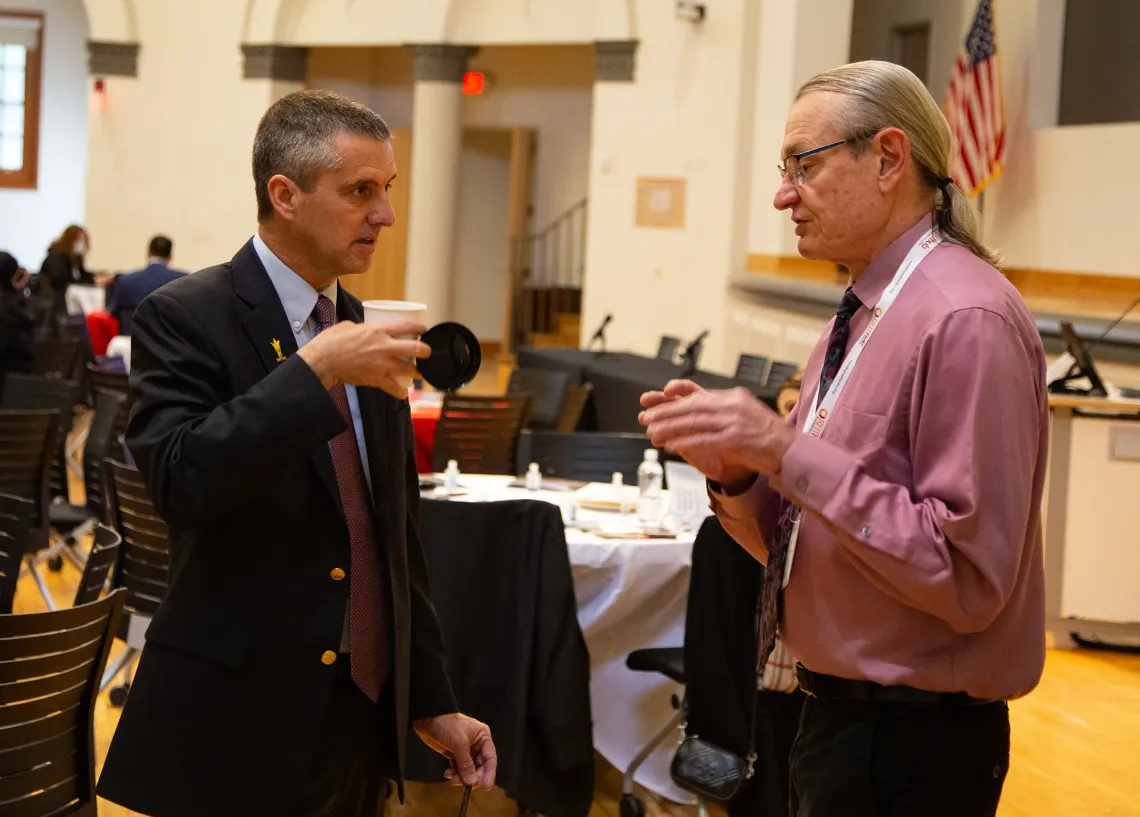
(383, 312)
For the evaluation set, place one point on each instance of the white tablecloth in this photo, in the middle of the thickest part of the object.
(120, 346)
(82, 299)
(631, 594)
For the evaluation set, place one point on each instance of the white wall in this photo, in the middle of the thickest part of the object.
(481, 251)
(546, 88)
(796, 41)
(170, 150)
(1067, 193)
(31, 219)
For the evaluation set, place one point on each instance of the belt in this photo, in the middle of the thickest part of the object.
(819, 685)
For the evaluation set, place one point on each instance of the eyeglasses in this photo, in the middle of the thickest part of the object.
(791, 166)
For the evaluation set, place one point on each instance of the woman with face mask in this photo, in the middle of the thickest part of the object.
(63, 265)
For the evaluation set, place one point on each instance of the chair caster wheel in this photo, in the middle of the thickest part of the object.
(55, 564)
(632, 806)
(118, 694)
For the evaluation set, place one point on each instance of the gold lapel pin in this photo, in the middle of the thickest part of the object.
(276, 344)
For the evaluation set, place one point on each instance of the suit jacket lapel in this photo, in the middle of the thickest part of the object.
(373, 412)
(267, 328)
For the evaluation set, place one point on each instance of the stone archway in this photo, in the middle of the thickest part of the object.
(275, 21)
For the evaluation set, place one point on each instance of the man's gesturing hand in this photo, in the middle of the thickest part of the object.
(726, 435)
(366, 354)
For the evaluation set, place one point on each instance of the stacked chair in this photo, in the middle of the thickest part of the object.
(50, 665)
(143, 568)
(27, 439)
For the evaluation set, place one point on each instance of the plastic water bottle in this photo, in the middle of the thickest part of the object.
(533, 478)
(650, 477)
(451, 477)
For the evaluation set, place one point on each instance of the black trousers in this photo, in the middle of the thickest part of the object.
(858, 759)
(356, 754)
(766, 794)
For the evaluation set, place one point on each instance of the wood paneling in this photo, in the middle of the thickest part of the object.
(1076, 293)
(385, 278)
(520, 215)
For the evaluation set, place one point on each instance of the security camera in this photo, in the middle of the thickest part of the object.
(693, 12)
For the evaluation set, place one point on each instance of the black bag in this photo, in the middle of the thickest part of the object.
(709, 771)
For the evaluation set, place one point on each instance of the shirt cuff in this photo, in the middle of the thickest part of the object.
(811, 471)
(742, 507)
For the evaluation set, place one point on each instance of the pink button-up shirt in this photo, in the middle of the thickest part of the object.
(919, 559)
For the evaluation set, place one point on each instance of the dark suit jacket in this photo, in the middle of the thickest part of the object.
(503, 568)
(233, 445)
(128, 291)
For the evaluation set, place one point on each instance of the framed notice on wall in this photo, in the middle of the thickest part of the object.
(661, 203)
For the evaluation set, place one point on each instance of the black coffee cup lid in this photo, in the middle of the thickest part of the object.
(455, 356)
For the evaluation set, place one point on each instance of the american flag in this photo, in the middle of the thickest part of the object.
(975, 109)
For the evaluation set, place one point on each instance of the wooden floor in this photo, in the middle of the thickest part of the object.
(1076, 741)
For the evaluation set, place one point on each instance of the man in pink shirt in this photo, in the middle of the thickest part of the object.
(900, 525)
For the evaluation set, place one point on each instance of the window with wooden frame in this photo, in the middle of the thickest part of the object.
(21, 50)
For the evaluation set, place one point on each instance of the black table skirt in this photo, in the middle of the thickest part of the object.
(619, 379)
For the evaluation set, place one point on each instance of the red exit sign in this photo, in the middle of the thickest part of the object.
(473, 83)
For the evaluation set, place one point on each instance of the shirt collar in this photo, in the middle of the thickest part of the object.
(869, 287)
(154, 259)
(296, 295)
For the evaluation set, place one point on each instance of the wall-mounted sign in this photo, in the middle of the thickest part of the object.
(661, 203)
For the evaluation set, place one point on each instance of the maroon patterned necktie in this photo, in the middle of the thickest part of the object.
(789, 513)
(368, 621)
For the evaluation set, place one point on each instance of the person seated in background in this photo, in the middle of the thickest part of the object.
(129, 290)
(16, 321)
(63, 266)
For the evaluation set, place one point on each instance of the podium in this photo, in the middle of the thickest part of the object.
(1085, 593)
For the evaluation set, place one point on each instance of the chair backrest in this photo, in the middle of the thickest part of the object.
(573, 407)
(100, 561)
(55, 357)
(751, 368)
(50, 668)
(119, 382)
(779, 372)
(22, 391)
(480, 433)
(144, 557)
(547, 390)
(667, 350)
(108, 404)
(26, 438)
(15, 517)
(584, 456)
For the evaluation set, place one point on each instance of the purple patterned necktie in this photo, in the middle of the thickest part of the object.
(368, 624)
(778, 553)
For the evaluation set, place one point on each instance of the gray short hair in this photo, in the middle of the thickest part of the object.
(884, 95)
(294, 139)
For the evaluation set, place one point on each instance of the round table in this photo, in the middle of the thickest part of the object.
(631, 593)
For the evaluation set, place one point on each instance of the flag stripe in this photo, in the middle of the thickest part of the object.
(974, 106)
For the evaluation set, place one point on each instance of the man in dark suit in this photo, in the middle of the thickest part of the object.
(127, 291)
(298, 640)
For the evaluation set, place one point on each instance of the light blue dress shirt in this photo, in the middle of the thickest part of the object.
(299, 300)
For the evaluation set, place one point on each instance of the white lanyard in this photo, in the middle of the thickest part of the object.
(816, 420)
